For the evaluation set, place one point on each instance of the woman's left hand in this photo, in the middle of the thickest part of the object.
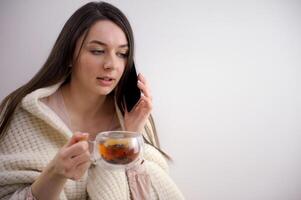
(137, 117)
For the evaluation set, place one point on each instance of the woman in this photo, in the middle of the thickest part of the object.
(79, 92)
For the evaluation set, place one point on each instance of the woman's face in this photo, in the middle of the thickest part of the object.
(102, 59)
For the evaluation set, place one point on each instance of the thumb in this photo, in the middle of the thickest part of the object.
(77, 137)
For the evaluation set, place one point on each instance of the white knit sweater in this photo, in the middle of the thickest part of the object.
(36, 134)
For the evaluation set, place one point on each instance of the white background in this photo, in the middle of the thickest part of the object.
(225, 76)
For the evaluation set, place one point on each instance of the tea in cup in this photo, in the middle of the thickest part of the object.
(117, 149)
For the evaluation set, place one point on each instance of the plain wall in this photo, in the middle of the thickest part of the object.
(225, 77)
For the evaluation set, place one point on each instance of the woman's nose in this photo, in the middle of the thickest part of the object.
(109, 62)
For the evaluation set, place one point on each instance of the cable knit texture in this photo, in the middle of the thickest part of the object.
(34, 137)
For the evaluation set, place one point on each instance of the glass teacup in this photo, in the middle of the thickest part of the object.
(117, 149)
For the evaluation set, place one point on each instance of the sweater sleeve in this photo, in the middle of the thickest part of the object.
(158, 170)
(23, 194)
(25, 150)
(162, 183)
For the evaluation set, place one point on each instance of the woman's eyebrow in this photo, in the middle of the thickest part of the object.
(104, 44)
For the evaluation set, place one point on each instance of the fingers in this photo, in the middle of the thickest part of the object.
(143, 86)
(77, 137)
(144, 89)
(82, 158)
(81, 169)
(73, 159)
(76, 149)
(76, 169)
(144, 104)
(76, 145)
(135, 119)
(142, 78)
(83, 166)
(145, 101)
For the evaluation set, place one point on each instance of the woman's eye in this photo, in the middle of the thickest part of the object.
(97, 52)
(122, 55)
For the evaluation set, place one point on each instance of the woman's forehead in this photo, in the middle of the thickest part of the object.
(106, 32)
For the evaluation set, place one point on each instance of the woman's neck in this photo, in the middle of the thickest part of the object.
(83, 103)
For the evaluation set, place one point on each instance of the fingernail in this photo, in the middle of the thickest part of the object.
(85, 134)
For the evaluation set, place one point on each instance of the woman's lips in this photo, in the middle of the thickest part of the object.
(105, 81)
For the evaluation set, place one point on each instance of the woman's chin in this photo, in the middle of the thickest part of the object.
(104, 92)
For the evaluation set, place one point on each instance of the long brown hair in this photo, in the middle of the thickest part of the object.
(56, 68)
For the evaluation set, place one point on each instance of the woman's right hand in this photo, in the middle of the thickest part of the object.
(73, 160)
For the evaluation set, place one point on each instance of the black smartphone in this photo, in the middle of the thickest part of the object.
(132, 93)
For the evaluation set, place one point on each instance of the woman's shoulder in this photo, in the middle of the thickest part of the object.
(26, 130)
(23, 121)
(31, 100)
(41, 113)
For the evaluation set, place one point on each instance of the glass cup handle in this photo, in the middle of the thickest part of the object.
(93, 151)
